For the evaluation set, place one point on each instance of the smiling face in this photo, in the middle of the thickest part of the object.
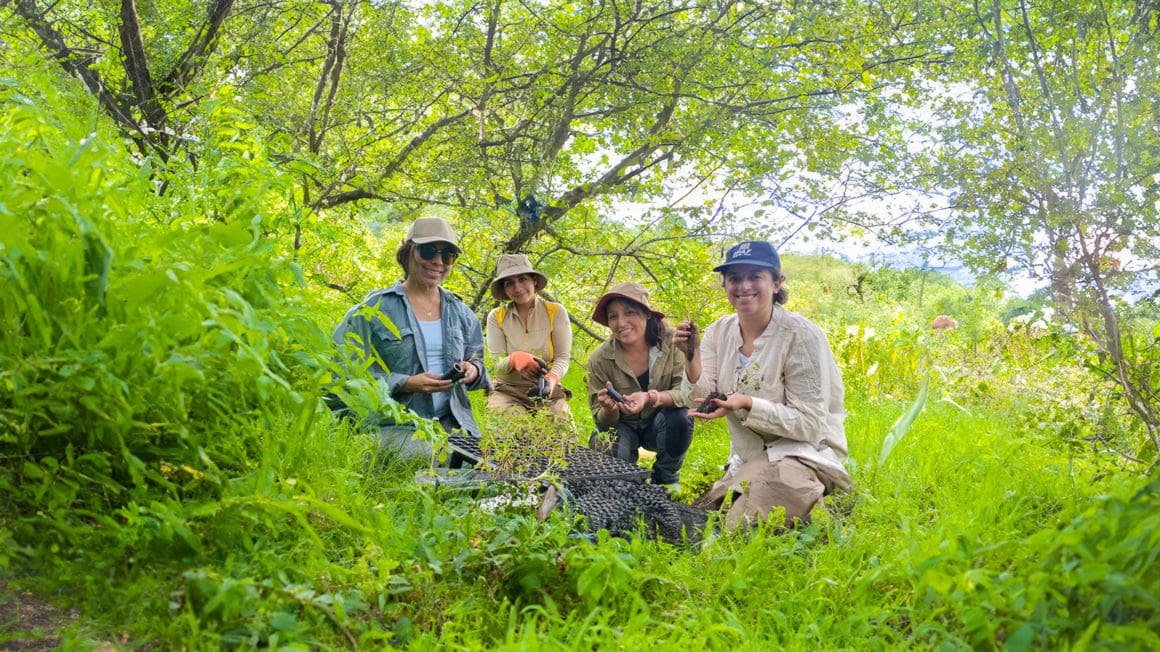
(750, 289)
(434, 270)
(627, 320)
(520, 289)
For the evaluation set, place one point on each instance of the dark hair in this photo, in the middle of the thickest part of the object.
(403, 256)
(782, 294)
(655, 330)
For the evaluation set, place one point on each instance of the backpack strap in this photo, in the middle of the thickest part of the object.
(552, 309)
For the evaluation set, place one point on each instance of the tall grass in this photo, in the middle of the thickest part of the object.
(168, 469)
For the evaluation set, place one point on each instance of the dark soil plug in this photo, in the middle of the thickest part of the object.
(707, 406)
(454, 373)
(693, 343)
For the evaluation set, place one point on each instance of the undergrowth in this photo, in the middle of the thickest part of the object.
(167, 467)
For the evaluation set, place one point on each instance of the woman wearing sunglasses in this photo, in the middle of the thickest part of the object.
(423, 342)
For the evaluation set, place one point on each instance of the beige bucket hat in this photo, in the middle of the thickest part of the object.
(510, 265)
(632, 291)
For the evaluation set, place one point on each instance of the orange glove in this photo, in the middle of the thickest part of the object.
(525, 363)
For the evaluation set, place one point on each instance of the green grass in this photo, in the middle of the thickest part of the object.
(167, 469)
(942, 545)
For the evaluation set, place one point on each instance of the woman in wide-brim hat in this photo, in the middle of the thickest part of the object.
(782, 395)
(413, 334)
(641, 364)
(529, 341)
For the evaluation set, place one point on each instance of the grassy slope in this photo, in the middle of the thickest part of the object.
(963, 538)
(185, 499)
(936, 547)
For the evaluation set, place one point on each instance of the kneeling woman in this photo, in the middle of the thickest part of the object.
(644, 369)
(523, 333)
(783, 395)
(415, 332)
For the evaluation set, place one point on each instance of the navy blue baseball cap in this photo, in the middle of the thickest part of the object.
(758, 253)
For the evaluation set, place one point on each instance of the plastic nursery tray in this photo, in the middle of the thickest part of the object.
(464, 479)
(582, 463)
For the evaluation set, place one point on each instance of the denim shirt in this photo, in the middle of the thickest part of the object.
(391, 338)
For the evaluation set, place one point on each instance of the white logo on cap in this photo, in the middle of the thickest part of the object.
(742, 250)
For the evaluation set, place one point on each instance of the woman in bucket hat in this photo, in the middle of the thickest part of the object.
(529, 341)
(782, 395)
(423, 343)
(634, 382)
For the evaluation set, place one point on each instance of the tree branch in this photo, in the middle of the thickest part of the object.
(73, 63)
(192, 61)
(136, 65)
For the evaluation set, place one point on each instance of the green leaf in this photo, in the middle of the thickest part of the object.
(902, 425)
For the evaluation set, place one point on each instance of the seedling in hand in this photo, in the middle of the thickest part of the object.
(540, 390)
(692, 343)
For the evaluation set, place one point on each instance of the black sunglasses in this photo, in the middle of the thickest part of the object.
(427, 251)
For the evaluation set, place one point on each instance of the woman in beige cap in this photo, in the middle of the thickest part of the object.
(420, 340)
(634, 382)
(529, 340)
(782, 394)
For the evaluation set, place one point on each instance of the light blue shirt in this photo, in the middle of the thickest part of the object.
(433, 347)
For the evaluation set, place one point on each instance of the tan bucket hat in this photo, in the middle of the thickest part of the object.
(510, 265)
(632, 291)
(431, 229)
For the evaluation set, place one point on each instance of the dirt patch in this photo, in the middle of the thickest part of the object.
(28, 622)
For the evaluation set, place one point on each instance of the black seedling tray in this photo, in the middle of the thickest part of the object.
(582, 463)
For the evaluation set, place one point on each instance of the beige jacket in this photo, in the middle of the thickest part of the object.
(796, 388)
(533, 337)
(665, 374)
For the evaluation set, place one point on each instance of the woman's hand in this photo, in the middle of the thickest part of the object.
(528, 365)
(637, 401)
(719, 407)
(686, 338)
(610, 404)
(428, 383)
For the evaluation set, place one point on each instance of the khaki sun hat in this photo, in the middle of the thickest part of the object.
(510, 265)
(431, 229)
(634, 292)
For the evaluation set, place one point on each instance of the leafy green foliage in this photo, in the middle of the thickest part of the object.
(167, 468)
(128, 363)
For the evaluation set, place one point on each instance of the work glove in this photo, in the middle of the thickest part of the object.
(528, 365)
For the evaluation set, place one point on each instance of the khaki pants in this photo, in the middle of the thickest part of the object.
(508, 397)
(763, 485)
